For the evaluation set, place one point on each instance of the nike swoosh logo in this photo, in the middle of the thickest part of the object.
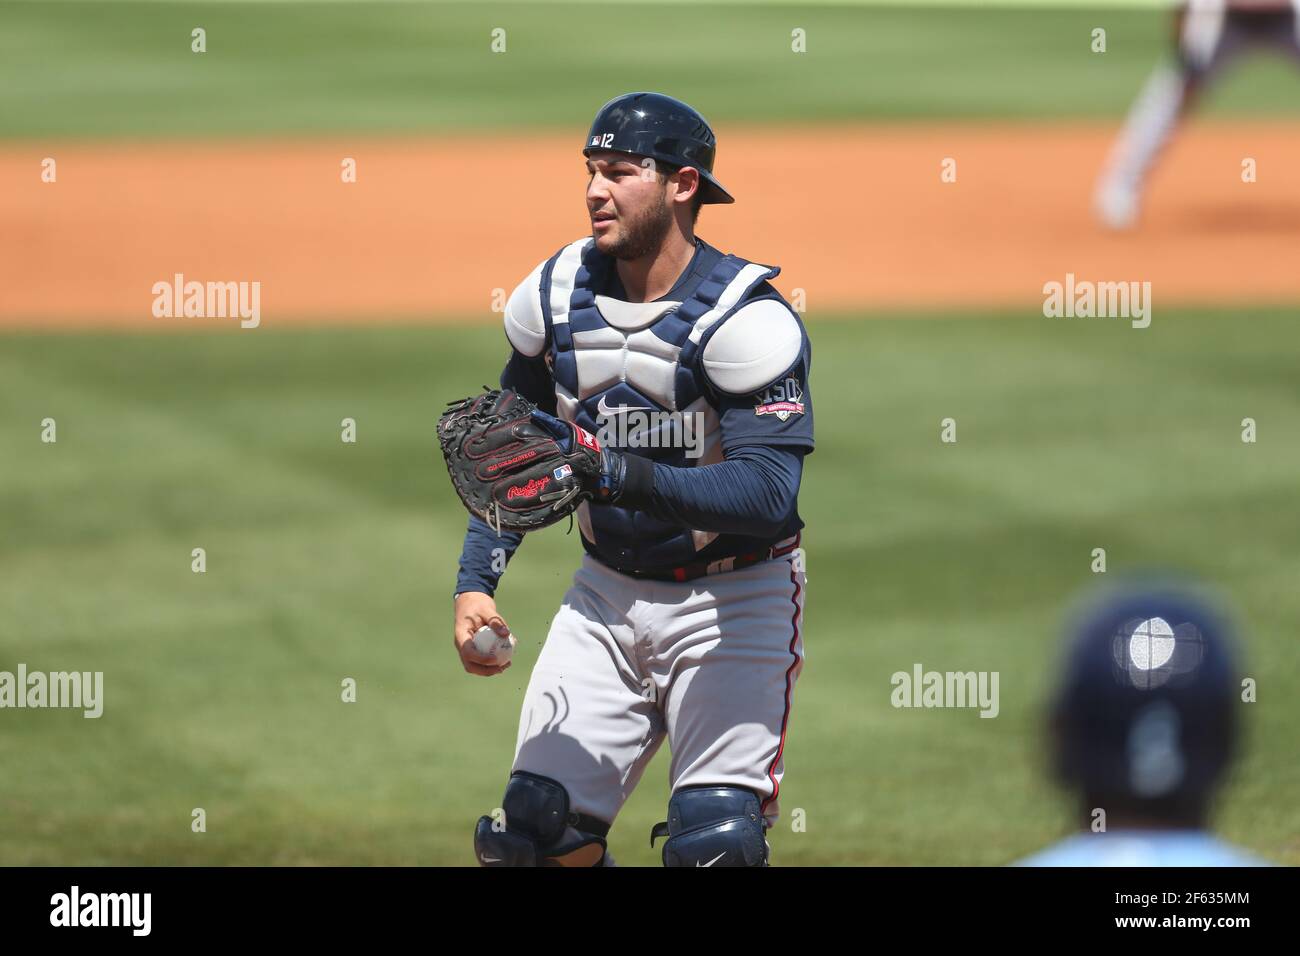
(490, 859)
(712, 861)
(603, 407)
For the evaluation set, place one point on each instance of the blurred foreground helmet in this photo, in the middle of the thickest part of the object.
(1145, 714)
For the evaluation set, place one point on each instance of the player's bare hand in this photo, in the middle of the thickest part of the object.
(474, 610)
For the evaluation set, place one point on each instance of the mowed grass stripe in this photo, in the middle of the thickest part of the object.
(329, 560)
(112, 70)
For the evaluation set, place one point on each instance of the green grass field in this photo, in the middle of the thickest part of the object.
(327, 560)
(104, 69)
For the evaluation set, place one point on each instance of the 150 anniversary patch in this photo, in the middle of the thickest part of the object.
(782, 399)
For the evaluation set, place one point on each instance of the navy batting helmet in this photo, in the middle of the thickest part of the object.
(1145, 715)
(665, 129)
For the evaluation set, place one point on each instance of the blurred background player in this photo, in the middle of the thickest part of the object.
(1144, 727)
(1208, 35)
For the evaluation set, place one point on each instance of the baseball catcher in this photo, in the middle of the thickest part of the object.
(656, 392)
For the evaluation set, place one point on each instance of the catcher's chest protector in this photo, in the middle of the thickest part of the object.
(602, 364)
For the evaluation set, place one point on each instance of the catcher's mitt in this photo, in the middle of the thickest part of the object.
(508, 469)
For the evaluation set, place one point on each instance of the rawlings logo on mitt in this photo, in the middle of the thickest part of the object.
(511, 470)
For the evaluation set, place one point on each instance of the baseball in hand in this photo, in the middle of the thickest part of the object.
(491, 644)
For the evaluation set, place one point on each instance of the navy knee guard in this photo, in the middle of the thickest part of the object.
(539, 829)
(713, 826)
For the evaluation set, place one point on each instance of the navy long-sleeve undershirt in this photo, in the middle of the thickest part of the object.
(752, 492)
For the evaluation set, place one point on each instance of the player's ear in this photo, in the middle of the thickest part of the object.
(686, 182)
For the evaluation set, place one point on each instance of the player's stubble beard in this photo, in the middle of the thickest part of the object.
(643, 234)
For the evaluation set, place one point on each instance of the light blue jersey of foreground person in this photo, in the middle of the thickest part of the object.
(1143, 848)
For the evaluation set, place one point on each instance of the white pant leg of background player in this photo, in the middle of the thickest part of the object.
(1207, 41)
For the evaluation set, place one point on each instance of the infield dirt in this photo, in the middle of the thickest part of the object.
(858, 217)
